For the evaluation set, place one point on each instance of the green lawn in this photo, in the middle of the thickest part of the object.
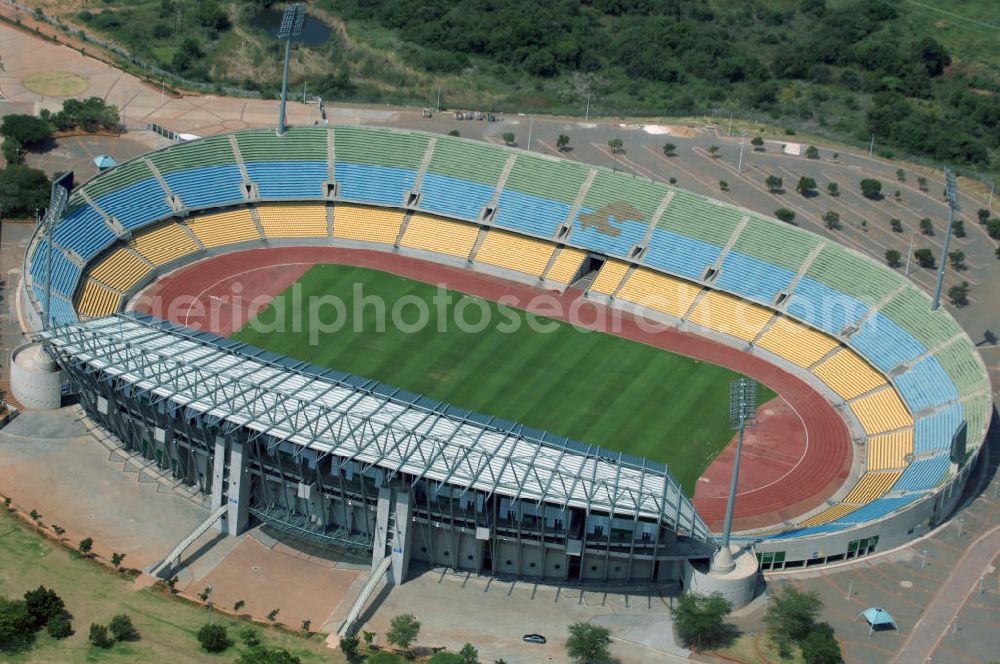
(92, 593)
(596, 388)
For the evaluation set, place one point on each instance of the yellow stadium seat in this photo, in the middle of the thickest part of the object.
(848, 375)
(514, 252)
(121, 269)
(293, 220)
(443, 236)
(566, 265)
(609, 277)
(659, 292)
(796, 343)
(730, 315)
(889, 450)
(829, 514)
(97, 300)
(222, 228)
(163, 244)
(872, 486)
(369, 224)
(881, 411)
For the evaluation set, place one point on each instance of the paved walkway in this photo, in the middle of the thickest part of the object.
(937, 619)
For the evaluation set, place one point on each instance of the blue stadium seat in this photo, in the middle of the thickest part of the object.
(208, 186)
(65, 274)
(923, 474)
(823, 307)
(83, 231)
(60, 311)
(926, 385)
(813, 530)
(137, 204)
(877, 509)
(884, 343)
(374, 184)
(680, 254)
(630, 233)
(752, 278)
(531, 214)
(289, 179)
(934, 432)
(453, 197)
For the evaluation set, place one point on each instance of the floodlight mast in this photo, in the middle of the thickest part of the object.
(291, 26)
(951, 194)
(742, 416)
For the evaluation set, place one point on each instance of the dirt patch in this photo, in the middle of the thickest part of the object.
(56, 83)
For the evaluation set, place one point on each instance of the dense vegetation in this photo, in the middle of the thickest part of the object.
(851, 68)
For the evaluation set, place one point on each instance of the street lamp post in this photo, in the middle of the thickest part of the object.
(742, 416)
(951, 194)
(291, 26)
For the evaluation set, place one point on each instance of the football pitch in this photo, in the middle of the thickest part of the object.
(593, 387)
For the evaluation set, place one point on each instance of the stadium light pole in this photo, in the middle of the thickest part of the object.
(742, 416)
(951, 194)
(291, 26)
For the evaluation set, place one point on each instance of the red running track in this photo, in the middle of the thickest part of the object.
(798, 457)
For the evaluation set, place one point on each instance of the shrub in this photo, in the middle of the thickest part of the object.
(892, 258)
(820, 647)
(699, 621)
(926, 226)
(213, 637)
(249, 637)
(925, 258)
(669, 149)
(790, 617)
(43, 605)
(812, 152)
(959, 294)
(122, 629)
(833, 189)
(958, 228)
(832, 220)
(262, 655)
(785, 215)
(16, 630)
(86, 546)
(99, 636)
(61, 626)
(350, 646)
(871, 188)
(588, 643)
(403, 631)
(993, 228)
(383, 657)
(445, 657)
(896, 225)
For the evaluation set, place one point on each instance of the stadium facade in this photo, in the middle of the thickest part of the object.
(342, 460)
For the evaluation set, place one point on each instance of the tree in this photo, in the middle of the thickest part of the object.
(58, 530)
(959, 294)
(86, 546)
(669, 150)
(901, 175)
(306, 624)
(785, 215)
(713, 150)
(806, 186)
(871, 188)
(958, 228)
(562, 142)
(122, 629)
(699, 620)
(350, 646)
(508, 138)
(926, 226)
(723, 185)
(924, 257)
(832, 220)
(454, 132)
(210, 15)
(773, 183)
(672, 180)
(28, 130)
(238, 605)
(892, 257)
(993, 228)
(61, 626)
(983, 215)
(99, 636)
(833, 189)
(896, 225)
(820, 647)
(91, 114)
(588, 644)
(43, 604)
(213, 637)
(262, 655)
(790, 616)
(469, 654)
(272, 615)
(812, 152)
(16, 631)
(205, 594)
(403, 631)
(617, 146)
(369, 638)
(22, 190)
(957, 259)
(117, 559)
(758, 143)
(249, 637)
(922, 183)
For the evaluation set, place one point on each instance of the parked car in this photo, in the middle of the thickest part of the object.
(533, 638)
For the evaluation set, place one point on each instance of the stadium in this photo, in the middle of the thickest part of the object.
(896, 394)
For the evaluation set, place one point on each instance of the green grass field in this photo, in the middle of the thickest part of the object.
(596, 388)
(92, 593)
